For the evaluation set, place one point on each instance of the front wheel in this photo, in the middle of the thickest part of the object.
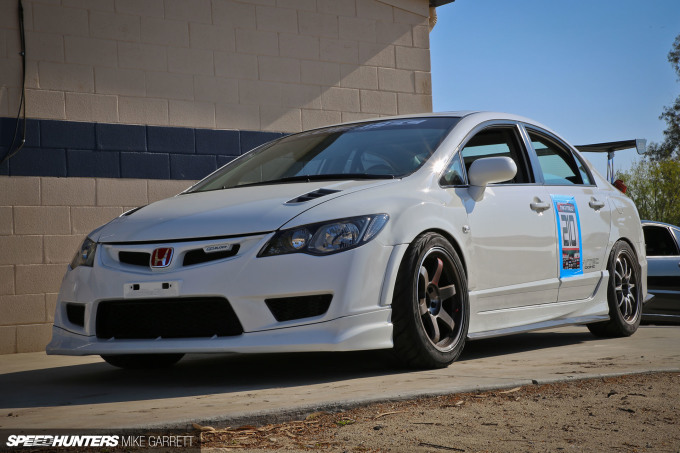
(430, 307)
(623, 294)
(142, 361)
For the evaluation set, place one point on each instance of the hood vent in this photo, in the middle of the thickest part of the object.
(312, 196)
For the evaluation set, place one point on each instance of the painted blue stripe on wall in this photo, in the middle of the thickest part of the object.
(81, 149)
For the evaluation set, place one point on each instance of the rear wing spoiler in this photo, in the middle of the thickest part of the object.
(639, 144)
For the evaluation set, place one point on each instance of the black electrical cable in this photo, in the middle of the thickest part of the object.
(22, 102)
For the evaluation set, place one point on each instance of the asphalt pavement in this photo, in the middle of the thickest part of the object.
(53, 392)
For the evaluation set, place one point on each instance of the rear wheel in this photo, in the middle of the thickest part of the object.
(430, 307)
(623, 294)
(142, 361)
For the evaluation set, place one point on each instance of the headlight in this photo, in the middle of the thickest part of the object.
(327, 237)
(85, 254)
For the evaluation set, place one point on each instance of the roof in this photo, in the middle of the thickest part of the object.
(440, 2)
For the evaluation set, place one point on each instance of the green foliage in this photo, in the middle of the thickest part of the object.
(654, 186)
(670, 147)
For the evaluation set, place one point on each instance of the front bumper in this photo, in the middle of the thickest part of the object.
(355, 319)
(359, 332)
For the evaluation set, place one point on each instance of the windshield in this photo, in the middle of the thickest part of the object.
(376, 150)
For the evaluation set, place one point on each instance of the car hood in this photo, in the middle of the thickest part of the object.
(229, 212)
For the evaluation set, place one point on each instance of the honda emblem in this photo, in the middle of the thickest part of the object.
(161, 257)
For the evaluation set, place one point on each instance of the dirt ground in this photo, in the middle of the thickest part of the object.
(638, 413)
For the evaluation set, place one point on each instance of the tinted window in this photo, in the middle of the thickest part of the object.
(558, 164)
(659, 241)
(453, 176)
(497, 142)
(391, 148)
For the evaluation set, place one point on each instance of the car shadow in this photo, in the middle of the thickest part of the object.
(203, 374)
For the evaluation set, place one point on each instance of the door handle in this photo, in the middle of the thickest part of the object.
(596, 204)
(539, 206)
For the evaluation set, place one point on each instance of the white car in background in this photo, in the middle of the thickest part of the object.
(410, 233)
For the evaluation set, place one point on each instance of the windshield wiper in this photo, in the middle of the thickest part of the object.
(310, 178)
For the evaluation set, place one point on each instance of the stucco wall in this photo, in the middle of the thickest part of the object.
(243, 66)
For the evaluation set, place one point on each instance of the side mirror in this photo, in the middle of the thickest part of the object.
(489, 170)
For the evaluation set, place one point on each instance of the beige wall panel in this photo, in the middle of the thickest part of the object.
(315, 24)
(161, 189)
(276, 19)
(60, 249)
(133, 110)
(68, 191)
(148, 57)
(280, 119)
(339, 7)
(55, 19)
(21, 250)
(85, 219)
(238, 66)
(39, 278)
(19, 191)
(237, 116)
(30, 220)
(121, 27)
(68, 77)
(6, 280)
(191, 114)
(215, 89)
(233, 14)
(121, 192)
(23, 309)
(315, 118)
(91, 51)
(100, 108)
(193, 10)
(152, 8)
(45, 46)
(126, 82)
(43, 103)
(6, 220)
(191, 61)
(8, 337)
(212, 37)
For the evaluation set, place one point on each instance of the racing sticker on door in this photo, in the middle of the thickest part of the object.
(568, 235)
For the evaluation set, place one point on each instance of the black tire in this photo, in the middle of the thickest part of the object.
(623, 294)
(430, 306)
(142, 361)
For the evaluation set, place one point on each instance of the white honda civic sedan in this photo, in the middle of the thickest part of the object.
(409, 233)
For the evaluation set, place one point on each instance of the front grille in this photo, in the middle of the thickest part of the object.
(289, 308)
(167, 318)
(76, 314)
(135, 258)
(198, 256)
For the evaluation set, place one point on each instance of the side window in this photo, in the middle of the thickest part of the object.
(659, 241)
(453, 176)
(498, 142)
(558, 164)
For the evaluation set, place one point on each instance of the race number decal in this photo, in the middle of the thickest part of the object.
(568, 235)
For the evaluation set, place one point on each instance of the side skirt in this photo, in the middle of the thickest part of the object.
(538, 326)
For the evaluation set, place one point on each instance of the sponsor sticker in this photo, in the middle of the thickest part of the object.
(569, 247)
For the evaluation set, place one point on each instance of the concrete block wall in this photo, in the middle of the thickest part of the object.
(107, 80)
(42, 222)
(272, 65)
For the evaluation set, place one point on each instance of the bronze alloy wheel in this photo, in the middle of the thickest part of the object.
(430, 307)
